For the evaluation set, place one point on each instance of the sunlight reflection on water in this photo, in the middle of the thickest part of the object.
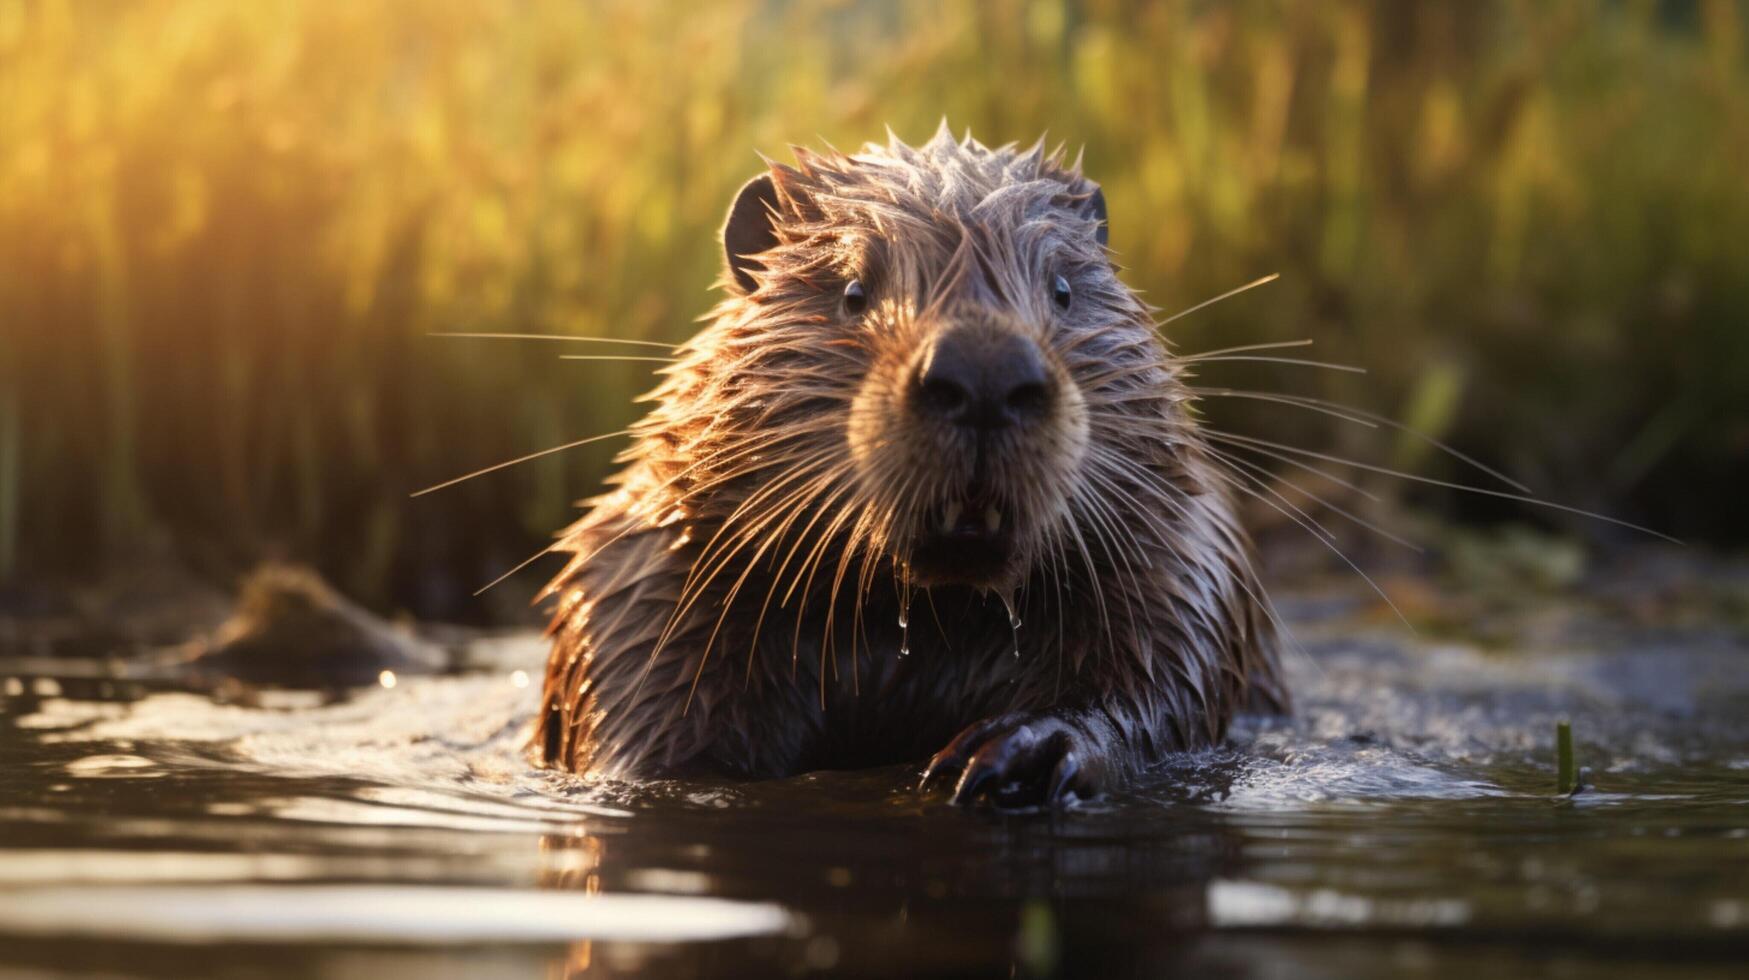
(375, 914)
(1408, 794)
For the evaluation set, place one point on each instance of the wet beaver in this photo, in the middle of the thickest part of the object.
(927, 483)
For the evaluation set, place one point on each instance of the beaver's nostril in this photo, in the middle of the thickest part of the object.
(942, 397)
(1029, 398)
(983, 379)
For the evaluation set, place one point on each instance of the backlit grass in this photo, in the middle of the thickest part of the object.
(226, 229)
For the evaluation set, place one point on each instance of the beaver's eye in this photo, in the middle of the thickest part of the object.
(1060, 293)
(855, 299)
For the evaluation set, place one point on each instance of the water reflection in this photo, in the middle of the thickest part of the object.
(571, 862)
(374, 914)
(1401, 822)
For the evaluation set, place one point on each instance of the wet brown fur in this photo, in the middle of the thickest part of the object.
(733, 604)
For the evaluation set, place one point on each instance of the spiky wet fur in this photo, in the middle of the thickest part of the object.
(732, 605)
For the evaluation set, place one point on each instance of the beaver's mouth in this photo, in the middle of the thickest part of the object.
(969, 541)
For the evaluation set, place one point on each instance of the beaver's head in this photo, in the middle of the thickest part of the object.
(929, 350)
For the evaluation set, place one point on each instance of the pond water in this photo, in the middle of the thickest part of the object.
(1401, 822)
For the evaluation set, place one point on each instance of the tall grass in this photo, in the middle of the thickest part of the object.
(226, 228)
(10, 509)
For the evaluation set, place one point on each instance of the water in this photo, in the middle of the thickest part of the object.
(905, 623)
(1402, 822)
(1013, 620)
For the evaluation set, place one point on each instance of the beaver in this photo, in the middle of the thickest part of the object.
(927, 486)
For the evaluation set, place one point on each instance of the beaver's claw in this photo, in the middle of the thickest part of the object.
(1018, 760)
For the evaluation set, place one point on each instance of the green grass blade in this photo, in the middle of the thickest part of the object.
(1566, 778)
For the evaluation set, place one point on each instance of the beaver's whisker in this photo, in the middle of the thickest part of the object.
(1264, 474)
(810, 566)
(1315, 529)
(743, 536)
(878, 543)
(1232, 440)
(781, 516)
(1055, 555)
(728, 457)
(1317, 471)
(731, 536)
(617, 357)
(1111, 566)
(1467, 488)
(792, 504)
(519, 566)
(824, 539)
(1262, 599)
(738, 527)
(1229, 294)
(1149, 483)
(743, 446)
(1153, 483)
(1266, 603)
(1302, 465)
(570, 338)
(935, 616)
(1363, 417)
(1107, 532)
(1260, 596)
(724, 456)
(864, 581)
(736, 532)
(1145, 482)
(820, 509)
(1296, 361)
(829, 639)
(803, 538)
(757, 453)
(1280, 399)
(520, 459)
(1077, 508)
(804, 577)
(1112, 487)
(1273, 345)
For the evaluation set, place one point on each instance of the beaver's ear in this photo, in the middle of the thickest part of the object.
(1096, 209)
(748, 230)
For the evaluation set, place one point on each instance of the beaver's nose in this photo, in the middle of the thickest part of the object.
(982, 379)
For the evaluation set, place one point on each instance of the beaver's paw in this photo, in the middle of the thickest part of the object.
(1019, 760)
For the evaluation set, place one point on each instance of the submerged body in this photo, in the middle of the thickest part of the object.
(926, 484)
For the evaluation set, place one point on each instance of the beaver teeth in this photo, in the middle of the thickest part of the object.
(950, 517)
(992, 520)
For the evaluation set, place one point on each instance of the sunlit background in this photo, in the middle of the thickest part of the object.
(227, 230)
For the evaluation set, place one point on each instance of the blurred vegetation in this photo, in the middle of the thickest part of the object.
(226, 229)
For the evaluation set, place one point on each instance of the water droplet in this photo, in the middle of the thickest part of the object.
(905, 622)
(1013, 619)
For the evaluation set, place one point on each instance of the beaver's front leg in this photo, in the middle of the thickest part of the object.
(1031, 758)
(1127, 710)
